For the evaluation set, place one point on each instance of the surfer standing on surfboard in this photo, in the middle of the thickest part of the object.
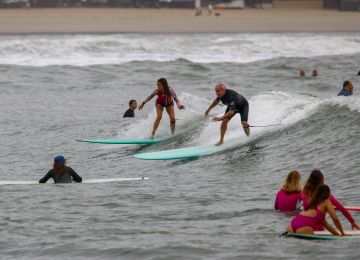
(165, 99)
(61, 173)
(235, 103)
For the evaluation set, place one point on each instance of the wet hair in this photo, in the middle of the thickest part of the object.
(346, 82)
(165, 84)
(315, 179)
(292, 182)
(131, 102)
(60, 168)
(321, 194)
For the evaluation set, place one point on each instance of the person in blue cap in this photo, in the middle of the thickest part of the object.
(61, 173)
(347, 89)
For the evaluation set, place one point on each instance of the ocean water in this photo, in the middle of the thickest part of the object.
(58, 88)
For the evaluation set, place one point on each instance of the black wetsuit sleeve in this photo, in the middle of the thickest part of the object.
(46, 177)
(129, 113)
(75, 176)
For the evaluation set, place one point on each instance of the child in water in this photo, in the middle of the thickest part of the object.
(289, 197)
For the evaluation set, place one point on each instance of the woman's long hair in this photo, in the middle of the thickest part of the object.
(59, 168)
(321, 194)
(292, 182)
(165, 84)
(315, 179)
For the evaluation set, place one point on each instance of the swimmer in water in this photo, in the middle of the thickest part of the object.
(235, 103)
(347, 89)
(302, 73)
(165, 99)
(289, 197)
(132, 107)
(61, 173)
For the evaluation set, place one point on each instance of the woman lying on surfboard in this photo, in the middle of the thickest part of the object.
(315, 180)
(165, 99)
(314, 215)
(289, 197)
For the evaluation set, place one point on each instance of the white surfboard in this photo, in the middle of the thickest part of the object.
(86, 181)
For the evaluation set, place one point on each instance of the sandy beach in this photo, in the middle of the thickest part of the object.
(104, 20)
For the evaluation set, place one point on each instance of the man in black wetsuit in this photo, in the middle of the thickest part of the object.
(235, 103)
(132, 107)
(61, 173)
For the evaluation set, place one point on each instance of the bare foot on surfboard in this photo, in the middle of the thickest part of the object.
(152, 136)
(219, 143)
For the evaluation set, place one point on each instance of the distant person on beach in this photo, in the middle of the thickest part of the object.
(132, 107)
(235, 103)
(61, 173)
(314, 215)
(165, 99)
(302, 73)
(289, 197)
(347, 89)
(315, 73)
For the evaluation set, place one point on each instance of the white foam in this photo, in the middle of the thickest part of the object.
(83, 50)
(352, 102)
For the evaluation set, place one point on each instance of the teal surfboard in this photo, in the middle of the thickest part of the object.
(182, 153)
(122, 141)
(314, 237)
(326, 235)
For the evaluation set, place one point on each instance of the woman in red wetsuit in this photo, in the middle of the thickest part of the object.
(165, 99)
(315, 180)
(314, 215)
(289, 197)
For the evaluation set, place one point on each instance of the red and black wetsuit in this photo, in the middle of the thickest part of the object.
(163, 98)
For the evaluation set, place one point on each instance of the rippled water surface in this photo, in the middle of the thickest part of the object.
(55, 89)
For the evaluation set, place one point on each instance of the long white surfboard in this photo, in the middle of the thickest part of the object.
(182, 153)
(86, 181)
(122, 141)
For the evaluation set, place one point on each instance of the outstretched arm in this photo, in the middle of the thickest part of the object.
(213, 104)
(148, 99)
(334, 217)
(177, 101)
(330, 228)
(343, 210)
(75, 176)
(46, 177)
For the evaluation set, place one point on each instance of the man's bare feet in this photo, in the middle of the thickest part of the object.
(219, 143)
(152, 136)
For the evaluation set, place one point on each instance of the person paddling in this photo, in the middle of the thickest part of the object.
(61, 173)
(314, 215)
(165, 99)
(235, 103)
(315, 180)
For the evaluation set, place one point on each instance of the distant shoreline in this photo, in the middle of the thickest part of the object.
(118, 20)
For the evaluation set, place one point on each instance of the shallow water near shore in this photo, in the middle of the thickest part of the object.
(58, 88)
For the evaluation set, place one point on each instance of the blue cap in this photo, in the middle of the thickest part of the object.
(59, 159)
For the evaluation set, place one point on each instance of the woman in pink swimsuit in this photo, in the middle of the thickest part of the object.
(165, 99)
(289, 197)
(314, 215)
(315, 180)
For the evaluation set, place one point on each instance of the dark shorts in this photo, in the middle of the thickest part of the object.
(164, 105)
(243, 111)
